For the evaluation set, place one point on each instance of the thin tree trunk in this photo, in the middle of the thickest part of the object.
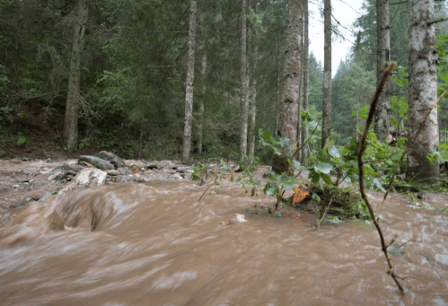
(422, 90)
(70, 132)
(293, 73)
(306, 79)
(243, 90)
(382, 118)
(326, 113)
(201, 102)
(357, 112)
(140, 141)
(252, 102)
(277, 97)
(190, 82)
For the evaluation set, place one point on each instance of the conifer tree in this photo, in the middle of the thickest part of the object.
(190, 82)
(422, 91)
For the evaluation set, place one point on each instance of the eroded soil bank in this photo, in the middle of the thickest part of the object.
(150, 242)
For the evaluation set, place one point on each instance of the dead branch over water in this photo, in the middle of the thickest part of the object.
(361, 149)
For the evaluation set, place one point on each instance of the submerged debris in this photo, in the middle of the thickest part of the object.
(346, 204)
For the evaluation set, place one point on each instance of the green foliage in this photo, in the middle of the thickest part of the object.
(21, 141)
(276, 144)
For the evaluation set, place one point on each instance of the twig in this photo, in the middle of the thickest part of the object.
(372, 161)
(361, 149)
(392, 241)
(437, 21)
(205, 192)
(324, 212)
(406, 151)
(306, 141)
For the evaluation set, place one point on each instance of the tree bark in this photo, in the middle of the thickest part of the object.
(277, 97)
(201, 102)
(70, 132)
(382, 118)
(252, 102)
(293, 74)
(306, 78)
(326, 112)
(243, 89)
(190, 82)
(422, 90)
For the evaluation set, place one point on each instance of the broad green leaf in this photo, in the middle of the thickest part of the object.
(267, 135)
(315, 179)
(296, 164)
(271, 189)
(323, 167)
(21, 141)
(377, 185)
(443, 146)
(368, 170)
(311, 174)
(288, 182)
(326, 178)
(334, 152)
(396, 157)
(329, 143)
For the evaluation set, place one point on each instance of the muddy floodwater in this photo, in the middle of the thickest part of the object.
(154, 244)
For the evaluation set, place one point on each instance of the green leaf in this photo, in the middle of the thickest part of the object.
(267, 135)
(271, 189)
(288, 182)
(21, 141)
(378, 186)
(326, 178)
(330, 142)
(323, 167)
(443, 146)
(334, 152)
(315, 179)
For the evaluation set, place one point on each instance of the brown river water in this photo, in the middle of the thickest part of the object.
(155, 244)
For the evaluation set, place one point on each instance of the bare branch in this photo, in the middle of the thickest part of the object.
(361, 149)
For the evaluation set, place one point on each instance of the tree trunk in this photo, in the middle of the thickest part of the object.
(140, 140)
(190, 82)
(293, 74)
(70, 132)
(326, 111)
(306, 79)
(382, 118)
(243, 90)
(252, 102)
(277, 97)
(201, 102)
(422, 90)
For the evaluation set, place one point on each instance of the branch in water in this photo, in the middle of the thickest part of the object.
(361, 149)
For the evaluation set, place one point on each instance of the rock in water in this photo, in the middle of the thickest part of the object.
(112, 158)
(57, 174)
(113, 172)
(167, 165)
(123, 171)
(151, 166)
(96, 162)
(88, 177)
